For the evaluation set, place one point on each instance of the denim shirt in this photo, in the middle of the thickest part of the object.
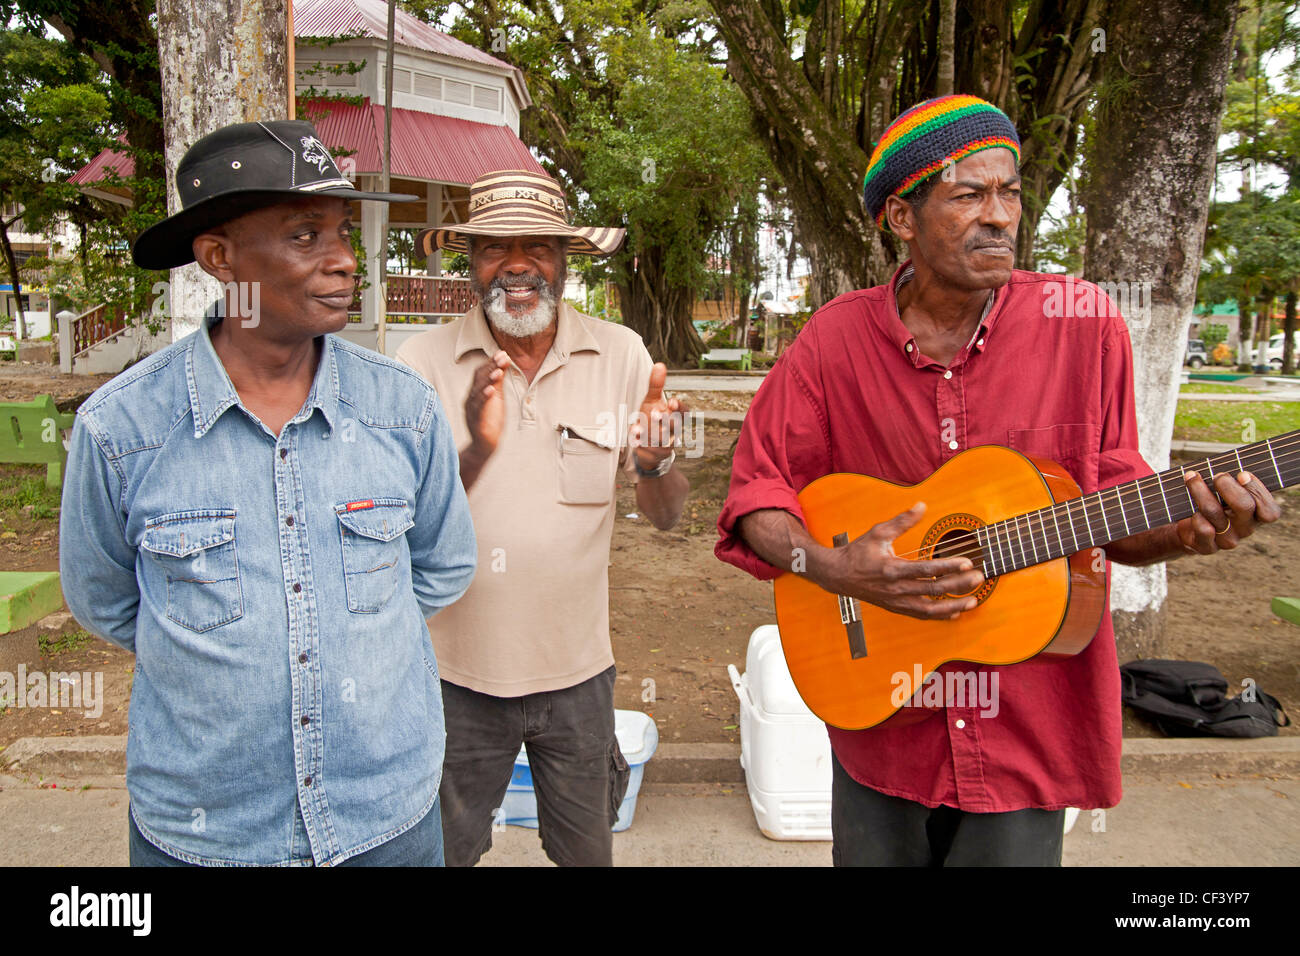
(286, 706)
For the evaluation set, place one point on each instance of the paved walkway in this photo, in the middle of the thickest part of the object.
(1202, 821)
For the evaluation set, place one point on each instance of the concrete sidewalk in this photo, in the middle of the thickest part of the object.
(1186, 803)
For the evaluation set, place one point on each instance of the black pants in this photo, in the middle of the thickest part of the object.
(579, 774)
(874, 829)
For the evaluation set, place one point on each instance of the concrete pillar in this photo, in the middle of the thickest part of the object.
(65, 341)
(434, 219)
(372, 237)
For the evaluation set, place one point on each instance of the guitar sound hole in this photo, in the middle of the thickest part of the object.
(959, 543)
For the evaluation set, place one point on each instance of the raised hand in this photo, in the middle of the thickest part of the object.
(485, 407)
(659, 423)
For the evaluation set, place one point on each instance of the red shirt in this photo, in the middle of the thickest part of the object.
(853, 393)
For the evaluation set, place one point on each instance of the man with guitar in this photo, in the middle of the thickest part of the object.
(957, 351)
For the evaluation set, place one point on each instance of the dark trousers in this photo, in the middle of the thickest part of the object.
(874, 829)
(579, 774)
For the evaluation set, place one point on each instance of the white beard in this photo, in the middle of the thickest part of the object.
(520, 325)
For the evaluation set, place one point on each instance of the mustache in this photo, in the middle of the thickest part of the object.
(993, 238)
(517, 282)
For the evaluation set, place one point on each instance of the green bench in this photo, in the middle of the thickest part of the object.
(31, 433)
(1288, 609)
(26, 597)
(741, 357)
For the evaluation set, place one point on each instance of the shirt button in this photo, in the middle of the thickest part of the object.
(306, 720)
(302, 658)
(948, 374)
(289, 521)
(306, 781)
(909, 346)
(284, 453)
(297, 588)
(961, 724)
(980, 342)
(951, 444)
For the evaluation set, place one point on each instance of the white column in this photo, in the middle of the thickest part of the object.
(433, 218)
(372, 237)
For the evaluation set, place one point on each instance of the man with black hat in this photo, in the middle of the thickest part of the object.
(958, 350)
(555, 403)
(266, 514)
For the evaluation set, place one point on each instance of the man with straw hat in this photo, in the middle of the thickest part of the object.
(555, 403)
(958, 350)
(266, 515)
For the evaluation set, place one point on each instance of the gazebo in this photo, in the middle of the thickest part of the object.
(455, 117)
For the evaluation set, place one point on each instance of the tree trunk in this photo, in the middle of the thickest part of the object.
(658, 312)
(1151, 167)
(1288, 334)
(1245, 325)
(221, 62)
(947, 37)
(11, 263)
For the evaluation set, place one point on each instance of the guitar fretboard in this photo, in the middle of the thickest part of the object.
(1101, 517)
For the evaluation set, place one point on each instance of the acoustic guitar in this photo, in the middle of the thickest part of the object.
(1024, 523)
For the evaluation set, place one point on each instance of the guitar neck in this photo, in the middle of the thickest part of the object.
(1097, 519)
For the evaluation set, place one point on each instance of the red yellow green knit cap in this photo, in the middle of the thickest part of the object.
(928, 137)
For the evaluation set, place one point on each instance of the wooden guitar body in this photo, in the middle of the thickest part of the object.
(1054, 607)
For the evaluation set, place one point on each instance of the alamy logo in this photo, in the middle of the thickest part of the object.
(102, 909)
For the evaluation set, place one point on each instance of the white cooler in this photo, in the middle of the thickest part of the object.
(783, 746)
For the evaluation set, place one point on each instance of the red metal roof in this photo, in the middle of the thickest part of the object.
(349, 18)
(99, 167)
(425, 146)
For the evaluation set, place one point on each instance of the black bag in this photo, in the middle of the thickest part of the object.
(1190, 699)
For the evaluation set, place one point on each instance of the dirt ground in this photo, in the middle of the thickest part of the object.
(678, 616)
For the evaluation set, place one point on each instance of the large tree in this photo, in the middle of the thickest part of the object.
(824, 77)
(642, 130)
(1150, 168)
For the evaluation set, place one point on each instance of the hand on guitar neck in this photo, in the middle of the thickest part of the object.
(866, 568)
(1225, 514)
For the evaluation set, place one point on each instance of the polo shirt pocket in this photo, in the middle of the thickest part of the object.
(371, 533)
(1074, 446)
(195, 552)
(586, 465)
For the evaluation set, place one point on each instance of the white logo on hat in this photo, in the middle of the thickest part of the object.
(314, 152)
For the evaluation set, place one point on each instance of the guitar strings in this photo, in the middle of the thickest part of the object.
(970, 547)
(1013, 534)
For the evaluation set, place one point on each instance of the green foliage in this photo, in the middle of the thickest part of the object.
(1212, 335)
(23, 492)
(52, 646)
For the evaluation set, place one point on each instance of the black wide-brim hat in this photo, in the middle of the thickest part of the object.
(236, 170)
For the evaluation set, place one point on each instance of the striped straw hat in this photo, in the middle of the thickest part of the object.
(928, 137)
(518, 203)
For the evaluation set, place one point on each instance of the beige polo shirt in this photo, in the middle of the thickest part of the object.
(536, 617)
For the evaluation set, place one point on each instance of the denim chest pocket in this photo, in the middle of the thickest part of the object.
(195, 551)
(586, 462)
(371, 532)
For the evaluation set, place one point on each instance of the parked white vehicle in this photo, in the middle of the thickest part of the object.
(1275, 348)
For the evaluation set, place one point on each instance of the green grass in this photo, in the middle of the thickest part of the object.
(1230, 421)
(1208, 388)
(73, 641)
(23, 485)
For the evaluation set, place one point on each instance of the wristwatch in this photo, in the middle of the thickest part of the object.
(659, 470)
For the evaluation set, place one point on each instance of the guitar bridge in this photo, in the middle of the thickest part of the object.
(849, 613)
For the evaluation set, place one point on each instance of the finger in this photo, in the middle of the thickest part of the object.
(1207, 504)
(928, 610)
(940, 585)
(1249, 501)
(501, 359)
(658, 375)
(888, 531)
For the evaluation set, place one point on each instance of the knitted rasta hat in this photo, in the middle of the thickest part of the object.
(928, 137)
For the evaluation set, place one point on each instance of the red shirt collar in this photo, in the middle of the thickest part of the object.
(906, 342)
